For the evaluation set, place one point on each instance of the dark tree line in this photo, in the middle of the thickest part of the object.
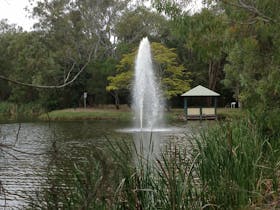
(229, 46)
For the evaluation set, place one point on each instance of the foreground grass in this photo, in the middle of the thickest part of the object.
(231, 166)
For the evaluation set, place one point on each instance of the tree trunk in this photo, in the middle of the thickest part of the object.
(117, 100)
(213, 73)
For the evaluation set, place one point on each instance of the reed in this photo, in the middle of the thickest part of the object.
(236, 159)
(232, 165)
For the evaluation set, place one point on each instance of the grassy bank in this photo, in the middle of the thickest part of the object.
(124, 114)
(11, 111)
(18, 111)
(223, 113)
(87, 114)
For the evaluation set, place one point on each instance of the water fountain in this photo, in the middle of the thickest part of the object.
(147, 102)
(148, 105)
(147, 99)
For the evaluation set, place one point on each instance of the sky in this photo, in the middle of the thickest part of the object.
(13, 10)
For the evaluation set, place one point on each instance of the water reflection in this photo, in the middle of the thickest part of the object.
(23, 155)
(28, 150)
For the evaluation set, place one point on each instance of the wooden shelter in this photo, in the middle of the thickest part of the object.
(201, 111)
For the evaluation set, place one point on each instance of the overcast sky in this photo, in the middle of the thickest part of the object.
(13, 10)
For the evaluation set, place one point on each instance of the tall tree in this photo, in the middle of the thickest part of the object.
(203, 36)
(73, 34)
(206, 38)
(254, 59)
(7, 34)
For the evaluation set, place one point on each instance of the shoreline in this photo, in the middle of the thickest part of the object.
(123, 114)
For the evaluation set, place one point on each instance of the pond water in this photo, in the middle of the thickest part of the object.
(28, 149)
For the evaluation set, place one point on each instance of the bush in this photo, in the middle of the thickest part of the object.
(12, 110)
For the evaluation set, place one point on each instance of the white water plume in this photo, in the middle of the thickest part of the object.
(147, 100)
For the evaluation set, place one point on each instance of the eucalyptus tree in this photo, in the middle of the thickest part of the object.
(254, 59)
(7, 33)
(141, 22)
(201, 39)
(206, 38)
(75, 33)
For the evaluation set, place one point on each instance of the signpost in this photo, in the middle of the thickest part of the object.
(85, 99)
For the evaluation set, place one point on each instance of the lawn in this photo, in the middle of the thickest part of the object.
(124, 114)
(87, 114)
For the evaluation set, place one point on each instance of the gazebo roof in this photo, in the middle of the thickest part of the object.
(200, 91)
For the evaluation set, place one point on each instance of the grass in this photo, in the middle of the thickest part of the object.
(224, 113)
(106, 112)
(124, 114)
(239, 166)
(121, 180)
(231, 166)
(87, 114)
(12, 111)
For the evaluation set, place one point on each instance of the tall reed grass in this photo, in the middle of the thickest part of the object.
(235, 161)
(11, 110)
(231, 166)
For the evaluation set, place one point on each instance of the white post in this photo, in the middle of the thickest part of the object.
(85, 99)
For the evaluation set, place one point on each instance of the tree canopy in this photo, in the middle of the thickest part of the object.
(173, 77)
(230, 46)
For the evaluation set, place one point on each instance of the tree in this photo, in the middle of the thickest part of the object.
(206, 37)
(254, 60)
(138, 23)
(7, 32)
(173, 77)
(97, 81)
(73, 35)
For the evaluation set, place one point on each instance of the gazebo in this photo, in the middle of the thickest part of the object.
(200, 93)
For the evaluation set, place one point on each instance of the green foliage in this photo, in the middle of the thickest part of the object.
(100, 181)
(141, 22)
(231, 165)
(173, 76)
(236, 159)
(97, 82)
(17, 111)
(84, 114)
(253, 62)
(240, 37)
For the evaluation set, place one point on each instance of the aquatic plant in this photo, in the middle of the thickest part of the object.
(231, 165)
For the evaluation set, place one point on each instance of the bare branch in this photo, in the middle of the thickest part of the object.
(255, 11)
(241, 4)
(52, 86)
(69, 72)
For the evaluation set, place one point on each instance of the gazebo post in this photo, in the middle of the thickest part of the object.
(186, 107)
(215, 102)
